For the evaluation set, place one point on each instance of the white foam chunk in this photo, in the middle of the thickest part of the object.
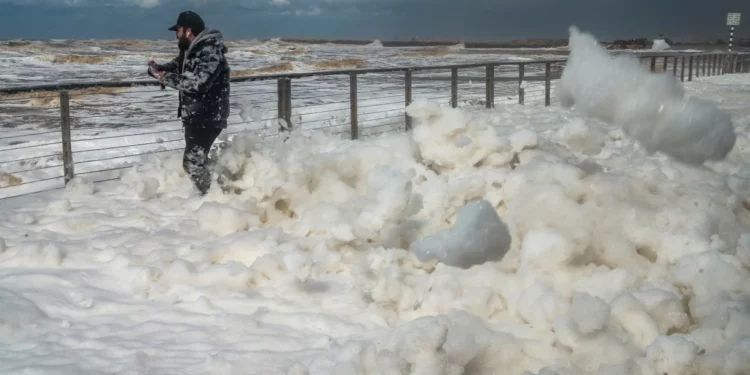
(743, 249)
(549, 249)
(147, 187)
(673, 355)
(652, 108)
(222, 219)
(660, 45)
(79, 187)
(523, 139)
(463, 141)
(580, 137)
(478, 236)
(18, 312)
(41, 253)
(589, 313)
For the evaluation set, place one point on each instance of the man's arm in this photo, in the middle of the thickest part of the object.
(207, 63)
(170, 67)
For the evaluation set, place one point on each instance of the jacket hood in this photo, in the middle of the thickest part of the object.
(209, 34)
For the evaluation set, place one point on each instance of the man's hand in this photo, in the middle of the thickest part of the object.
(157, 73)
(153, 69)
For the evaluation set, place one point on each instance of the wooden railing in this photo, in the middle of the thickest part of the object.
(68, 122)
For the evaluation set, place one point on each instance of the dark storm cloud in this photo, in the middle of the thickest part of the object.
(384, 19)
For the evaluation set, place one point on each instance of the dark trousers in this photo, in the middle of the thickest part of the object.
(198, 141)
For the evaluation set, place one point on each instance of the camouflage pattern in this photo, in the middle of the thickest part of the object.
(202, 78)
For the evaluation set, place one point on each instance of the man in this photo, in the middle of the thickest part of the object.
(201, 74)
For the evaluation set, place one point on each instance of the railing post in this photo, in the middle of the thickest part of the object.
(454, 87)
(489, 86)
(728, 64)
(713, 65)
(730, 61)
(284, 93)
(717, 68)
(353, 105)
(674, 66)
(722, 64)
(288, 105)
(698, 72)
(698, 60)
(653, 64)
(407, 96)
(690, 69)
(67, 148)
(706, 62)
(704, 59)
(664, 64)
(521, 71)
(737, 64)
(682, 70)
(547, 83)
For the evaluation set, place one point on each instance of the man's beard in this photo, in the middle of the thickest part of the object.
(183, 43)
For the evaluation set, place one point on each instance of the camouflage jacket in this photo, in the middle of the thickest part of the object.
(202, 77)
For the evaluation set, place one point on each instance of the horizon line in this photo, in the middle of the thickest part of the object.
(417, 41)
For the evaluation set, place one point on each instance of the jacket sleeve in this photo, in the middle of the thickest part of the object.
(170, 67)
(205, 64)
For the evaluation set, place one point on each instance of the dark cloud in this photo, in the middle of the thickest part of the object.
(384, 19)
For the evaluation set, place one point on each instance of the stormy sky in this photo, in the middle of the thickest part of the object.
(370, 19)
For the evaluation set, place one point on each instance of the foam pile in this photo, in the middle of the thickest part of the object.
(651, 108)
